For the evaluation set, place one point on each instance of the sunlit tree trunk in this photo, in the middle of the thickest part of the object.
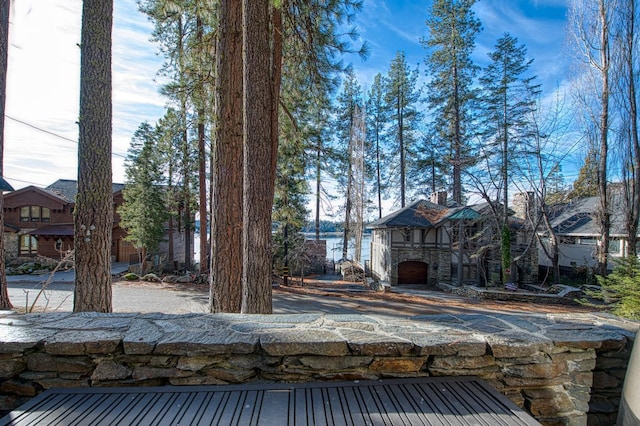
(94, 201)
(259, 158)
(226, 215)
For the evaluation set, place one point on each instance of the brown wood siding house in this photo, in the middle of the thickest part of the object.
(39, 221)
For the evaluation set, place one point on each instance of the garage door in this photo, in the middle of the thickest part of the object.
(413, 273)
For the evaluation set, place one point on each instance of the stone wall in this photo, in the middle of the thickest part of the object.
(564, 370)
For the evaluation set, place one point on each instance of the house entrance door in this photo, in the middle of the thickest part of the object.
(413, 272)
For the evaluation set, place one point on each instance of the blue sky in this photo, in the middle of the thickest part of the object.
(390, 26)
(43, 86)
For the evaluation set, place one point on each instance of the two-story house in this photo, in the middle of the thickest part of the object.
(430, 242)
(39, 221)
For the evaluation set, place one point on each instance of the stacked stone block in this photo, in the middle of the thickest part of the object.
(564, 371)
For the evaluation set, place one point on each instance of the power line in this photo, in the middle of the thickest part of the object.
(25, 181)
(40, 129)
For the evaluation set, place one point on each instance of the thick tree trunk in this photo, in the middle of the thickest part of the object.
(5, 303)
(94, 202)
(226, 215)
(259, 158)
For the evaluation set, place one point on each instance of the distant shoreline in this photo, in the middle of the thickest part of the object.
(329, 234)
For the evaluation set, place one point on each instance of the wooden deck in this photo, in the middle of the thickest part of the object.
(422, 401)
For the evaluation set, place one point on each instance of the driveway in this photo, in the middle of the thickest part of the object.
(320, 295)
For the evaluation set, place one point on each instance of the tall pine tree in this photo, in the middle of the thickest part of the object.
(93, 216)
(453, 28)
(401, 97)
(377, 134)
(508, 101)
(349, 103)
(144, 212)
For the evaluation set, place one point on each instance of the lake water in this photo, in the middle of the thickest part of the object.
(334, 246)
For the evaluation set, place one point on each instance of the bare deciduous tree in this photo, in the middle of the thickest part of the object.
(590, 24)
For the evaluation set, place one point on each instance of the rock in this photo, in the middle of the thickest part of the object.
(398, 365)
(185, 279)
(110, 370)
(151, 278)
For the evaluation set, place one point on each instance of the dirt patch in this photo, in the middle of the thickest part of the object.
(345, 290)
(349, 290)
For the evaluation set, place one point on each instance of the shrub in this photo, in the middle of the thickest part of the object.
(621, 288)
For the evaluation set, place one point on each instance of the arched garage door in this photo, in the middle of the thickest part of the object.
(413, 272)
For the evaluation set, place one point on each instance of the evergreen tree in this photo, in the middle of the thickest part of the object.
(621, 288)
(401, 97)
(169, 140)
(314, 41)
(349, 104)
(184, 29)
(431, 164)
(508, 101)
(143, 213)
(453, 28)
(586, 184)
(377, 128)
(289, 209)
(93, 221)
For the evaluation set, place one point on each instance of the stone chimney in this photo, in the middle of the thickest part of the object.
(523, 204)
(439, 198)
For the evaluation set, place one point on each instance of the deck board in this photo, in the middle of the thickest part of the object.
(418, 401)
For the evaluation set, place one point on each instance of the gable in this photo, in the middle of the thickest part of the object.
(421, 214)
(33, 196)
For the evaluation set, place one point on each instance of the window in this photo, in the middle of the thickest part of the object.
(587, 241)
(469, 272)
(28, 244)
(25, 214)
(614, 246)
(35, 214)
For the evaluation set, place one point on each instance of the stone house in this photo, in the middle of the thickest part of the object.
(430, 242)
(39, 222)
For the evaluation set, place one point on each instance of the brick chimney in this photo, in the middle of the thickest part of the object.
(439, 198)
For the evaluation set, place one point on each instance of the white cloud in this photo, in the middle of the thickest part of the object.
(43, 87)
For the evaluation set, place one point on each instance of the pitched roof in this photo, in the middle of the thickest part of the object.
(422, 214)
(54, 230)
(579, 217)
(68, 189)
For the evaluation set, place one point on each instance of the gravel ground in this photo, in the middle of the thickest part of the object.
(317, 295)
